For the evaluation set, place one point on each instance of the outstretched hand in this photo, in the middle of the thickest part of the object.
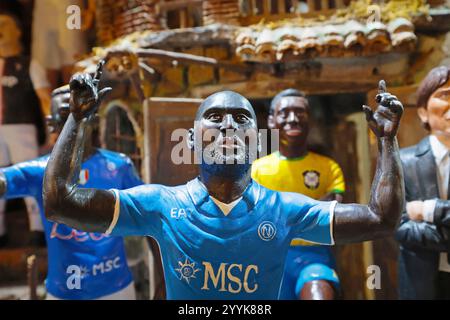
(84, 95)
(385, 120)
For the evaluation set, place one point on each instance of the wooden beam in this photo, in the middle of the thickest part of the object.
(324, 4)
(281, 6)
(254, 8)
(183, 18)
(267, 7)
(311, 6)
(339, 4)
(252, 19)
(181, 58)
(267, 89)
(167, 102)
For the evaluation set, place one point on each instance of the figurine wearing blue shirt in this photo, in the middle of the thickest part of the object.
(81, 265)
(222, 235)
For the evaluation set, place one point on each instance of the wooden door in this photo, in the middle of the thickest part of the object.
(352, 154)
(162, 116)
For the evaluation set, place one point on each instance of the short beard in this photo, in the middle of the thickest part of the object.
(216, 156)
(230, 171)
(220, 165)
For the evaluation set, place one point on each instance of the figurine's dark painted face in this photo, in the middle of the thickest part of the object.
(291, 117)
(60, 111)
(226, 129)
(9, 31)
(437, 112)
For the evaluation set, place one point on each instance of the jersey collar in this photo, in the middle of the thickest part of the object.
(281, 157)
(201, 199)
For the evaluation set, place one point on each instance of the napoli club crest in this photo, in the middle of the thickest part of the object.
(267, 231)
(311, 178)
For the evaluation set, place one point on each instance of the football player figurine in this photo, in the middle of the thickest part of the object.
(24, 100)
(81, 265)
(222, 235)
(424, 259)
(309, 270)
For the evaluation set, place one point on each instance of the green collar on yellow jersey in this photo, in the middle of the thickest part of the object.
(279, 155)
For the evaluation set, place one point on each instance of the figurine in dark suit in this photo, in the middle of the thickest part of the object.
(424, 268)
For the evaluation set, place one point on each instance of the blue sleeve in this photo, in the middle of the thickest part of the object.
(311, 220)
(138, 211)
(130, 177)
(23, 180)
(316, 271)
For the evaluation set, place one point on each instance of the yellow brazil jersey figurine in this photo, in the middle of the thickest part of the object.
(295, 169)
(313, 175)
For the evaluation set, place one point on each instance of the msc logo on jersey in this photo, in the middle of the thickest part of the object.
(187, 270)
(226, 277)
(232, 278)
(311, 179)
(267, 231)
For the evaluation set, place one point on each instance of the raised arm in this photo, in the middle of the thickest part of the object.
(355, 223)
(83, 209)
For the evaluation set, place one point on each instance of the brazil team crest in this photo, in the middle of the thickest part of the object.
(311, 179)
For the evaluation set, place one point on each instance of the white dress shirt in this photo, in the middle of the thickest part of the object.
(441, 156)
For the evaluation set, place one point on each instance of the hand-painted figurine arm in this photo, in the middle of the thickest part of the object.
(85, 209)
(317, 290)
(354, 223)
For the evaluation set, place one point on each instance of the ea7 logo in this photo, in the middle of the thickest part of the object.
(267, 231)
(178, 213)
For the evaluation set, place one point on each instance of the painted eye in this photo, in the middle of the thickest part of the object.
(241, 118)
(214, 117)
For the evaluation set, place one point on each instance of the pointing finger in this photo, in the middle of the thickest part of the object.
(99, 71)
(382, 86)
(369, 113)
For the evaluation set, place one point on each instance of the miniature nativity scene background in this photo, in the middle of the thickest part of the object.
(166, 56)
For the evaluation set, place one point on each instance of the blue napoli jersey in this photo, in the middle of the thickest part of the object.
(207, 255)
(304, 264)
(81, 265)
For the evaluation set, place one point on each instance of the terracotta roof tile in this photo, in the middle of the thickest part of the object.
(331, 40)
